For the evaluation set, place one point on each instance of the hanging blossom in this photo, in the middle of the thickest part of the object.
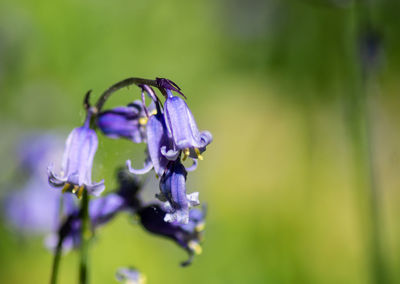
(173, 193)
(124, 122)
(76, 172)
(171, 135)
(182, 128)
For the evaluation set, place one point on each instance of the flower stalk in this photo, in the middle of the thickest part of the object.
(85, 239)
(56, 261)
(122, 84)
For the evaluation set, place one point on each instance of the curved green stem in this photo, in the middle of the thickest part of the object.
(122, 84)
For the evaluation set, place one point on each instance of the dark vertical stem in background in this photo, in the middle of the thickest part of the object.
(56, 261)
(85, 238)
(364, 47)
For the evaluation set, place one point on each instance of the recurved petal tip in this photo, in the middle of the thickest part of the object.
(147, 167)
(96, 188)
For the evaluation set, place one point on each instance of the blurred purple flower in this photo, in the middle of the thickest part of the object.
(130, 276)
(25, 209)
(101, 211)
(187, 236)
(35, 208)
(76, 173)
(124, 122)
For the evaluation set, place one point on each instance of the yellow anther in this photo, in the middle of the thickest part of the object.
(75, 189)
(186, 153)
(199, 156)
(200, 227)
(195, 247)
(65, 188)
(145, 119)
(80, 191)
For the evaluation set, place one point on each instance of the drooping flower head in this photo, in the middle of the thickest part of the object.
(188, 236)
(157, 141)
(76, 172)
(181, 125)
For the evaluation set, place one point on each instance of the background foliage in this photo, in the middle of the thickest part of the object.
(279, 84)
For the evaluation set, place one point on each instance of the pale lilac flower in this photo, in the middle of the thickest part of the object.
(157, 143)
(76, 173)
(182, 127)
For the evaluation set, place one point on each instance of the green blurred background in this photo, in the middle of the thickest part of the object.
(302, 97)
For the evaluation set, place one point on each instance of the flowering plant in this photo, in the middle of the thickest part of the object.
(171, 136)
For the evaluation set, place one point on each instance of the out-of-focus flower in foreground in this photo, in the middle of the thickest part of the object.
(128, 275)
(34, 208)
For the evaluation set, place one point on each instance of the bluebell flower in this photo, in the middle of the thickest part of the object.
(188, 236)
(124, 122)
(157, 145)
(173, 193)
(182, 128)
(76, 173)
(129, 275)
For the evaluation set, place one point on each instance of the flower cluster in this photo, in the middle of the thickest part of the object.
(171, 136)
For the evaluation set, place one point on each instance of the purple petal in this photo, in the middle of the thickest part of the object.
(81, 146)
(181, 124)
(147, 167)
(156, 139)
(123, 122)
(193, 166)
